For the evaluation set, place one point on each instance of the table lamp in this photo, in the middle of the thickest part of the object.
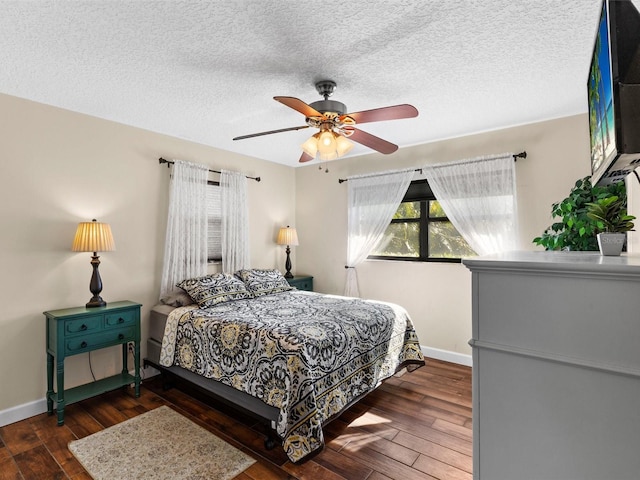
(289, 237)
(94, 237)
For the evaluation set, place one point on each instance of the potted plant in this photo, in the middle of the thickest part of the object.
(573, 229)
(612, 221)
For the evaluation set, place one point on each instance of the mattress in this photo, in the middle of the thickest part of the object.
(158, 321)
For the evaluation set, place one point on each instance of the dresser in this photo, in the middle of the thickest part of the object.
(71, 331)
(301, 282)
(556, 366)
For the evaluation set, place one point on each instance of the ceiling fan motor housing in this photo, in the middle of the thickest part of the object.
(324, 106)
(326, 88)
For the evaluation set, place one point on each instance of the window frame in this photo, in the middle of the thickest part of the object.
(419, 191)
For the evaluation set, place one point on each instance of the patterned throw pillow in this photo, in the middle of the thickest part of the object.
(210, 290)
(263, 282)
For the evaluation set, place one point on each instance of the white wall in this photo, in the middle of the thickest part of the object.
(59, 168)
(437, 295)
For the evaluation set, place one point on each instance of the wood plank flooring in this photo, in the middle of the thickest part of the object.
(417, 426)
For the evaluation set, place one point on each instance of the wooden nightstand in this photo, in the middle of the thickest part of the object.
(71, 331)
(301, 282)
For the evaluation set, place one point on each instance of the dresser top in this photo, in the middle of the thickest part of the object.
(627, 264)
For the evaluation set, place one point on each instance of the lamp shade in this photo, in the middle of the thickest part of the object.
(310, 147)
(327, 143)
(93, 237)
(343, 146)
(287, 236)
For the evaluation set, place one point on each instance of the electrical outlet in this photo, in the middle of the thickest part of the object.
(131, 347)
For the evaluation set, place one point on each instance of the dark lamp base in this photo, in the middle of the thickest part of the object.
(96, 302)
(95, 286)
(287, 264)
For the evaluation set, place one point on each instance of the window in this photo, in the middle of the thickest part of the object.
(214, 222)
(421, 231)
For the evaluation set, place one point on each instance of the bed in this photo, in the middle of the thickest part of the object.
(296, 359)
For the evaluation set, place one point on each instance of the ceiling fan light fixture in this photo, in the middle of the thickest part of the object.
(310, 147)
(343, 146)
(327, 142)
(327, 145)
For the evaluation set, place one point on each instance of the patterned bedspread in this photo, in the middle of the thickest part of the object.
(308, 354)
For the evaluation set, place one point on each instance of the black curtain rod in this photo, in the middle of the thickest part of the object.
(342, 180)
(516, 156)
(171, 162)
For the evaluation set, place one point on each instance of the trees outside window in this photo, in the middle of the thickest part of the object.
(421, 231)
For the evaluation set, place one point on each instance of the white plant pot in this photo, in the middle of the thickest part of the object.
(611, 243)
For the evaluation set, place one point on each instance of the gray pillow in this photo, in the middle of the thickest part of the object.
(263, 282)
(211, 290)
(177, 298)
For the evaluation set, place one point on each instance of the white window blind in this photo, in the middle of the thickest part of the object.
(214, 222)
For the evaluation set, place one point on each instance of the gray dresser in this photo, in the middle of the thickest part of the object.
(556, 366)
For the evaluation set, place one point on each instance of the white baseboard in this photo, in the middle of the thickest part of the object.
(447, 356)
(20, 412)
(31, 409)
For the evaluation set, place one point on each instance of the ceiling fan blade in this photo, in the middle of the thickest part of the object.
(299, 105)
(395, 112)
(305, 157)
(372, 141)
(251, 135)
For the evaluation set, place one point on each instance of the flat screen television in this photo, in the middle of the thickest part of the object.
(613, 89)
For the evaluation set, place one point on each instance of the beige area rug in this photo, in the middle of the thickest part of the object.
(160, 444)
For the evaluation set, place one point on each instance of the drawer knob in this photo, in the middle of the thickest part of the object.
(83, 327)
(121, 320)
(121, 336)
(83, 345)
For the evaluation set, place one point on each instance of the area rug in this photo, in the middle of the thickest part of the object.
(160, 444)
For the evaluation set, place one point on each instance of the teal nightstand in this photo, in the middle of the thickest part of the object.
(71, 331)
(301, 282)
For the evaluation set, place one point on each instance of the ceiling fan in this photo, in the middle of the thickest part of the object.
(336, 126)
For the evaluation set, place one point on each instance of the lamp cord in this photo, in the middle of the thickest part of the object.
(91, 368)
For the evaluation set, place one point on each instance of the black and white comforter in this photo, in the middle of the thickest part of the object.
(310, 355)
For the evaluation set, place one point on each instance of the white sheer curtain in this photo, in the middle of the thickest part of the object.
(479, 197)
(185, 249)
(235, 221)
(372, 201)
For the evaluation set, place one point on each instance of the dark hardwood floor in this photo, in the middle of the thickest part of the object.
(417, 426)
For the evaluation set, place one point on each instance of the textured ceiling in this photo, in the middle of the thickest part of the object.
(208, 71)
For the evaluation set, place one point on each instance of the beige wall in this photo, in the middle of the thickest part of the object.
(437, 295)
(58, 168)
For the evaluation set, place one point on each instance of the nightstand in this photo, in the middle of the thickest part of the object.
(71, 331)
(301, 282)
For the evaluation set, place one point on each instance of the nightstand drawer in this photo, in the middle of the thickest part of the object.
(80, 325)
(120, 318)
(98, 340)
